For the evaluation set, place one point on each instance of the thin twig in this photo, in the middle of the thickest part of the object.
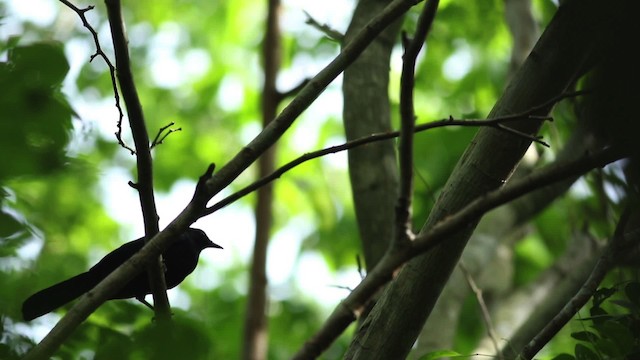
(331, 33)
(112, 69)
(161, 135)
(491, 331)
(293, 91)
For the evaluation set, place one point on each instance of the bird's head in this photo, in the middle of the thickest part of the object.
(200, 239)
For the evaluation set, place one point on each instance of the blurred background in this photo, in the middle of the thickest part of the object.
(66, 201)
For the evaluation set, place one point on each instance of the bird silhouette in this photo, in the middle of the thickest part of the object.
(180, 259)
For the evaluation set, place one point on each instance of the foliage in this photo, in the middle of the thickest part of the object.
(612, 334)
(36, 120)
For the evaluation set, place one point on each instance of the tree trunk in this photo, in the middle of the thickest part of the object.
(372, 168)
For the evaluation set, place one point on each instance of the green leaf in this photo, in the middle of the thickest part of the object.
(35, 122)
(44, 63)
(584, 353)
(598, 315)
(434, 355)
(9, 225)
(608, 347)
(113, 345)
(183, 338)
(619, 334)
(632, 290)
(585, 336)
(602, 294)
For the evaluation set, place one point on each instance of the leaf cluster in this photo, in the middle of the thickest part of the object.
(614, 330)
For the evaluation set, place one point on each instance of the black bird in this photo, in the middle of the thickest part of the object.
(180, 259)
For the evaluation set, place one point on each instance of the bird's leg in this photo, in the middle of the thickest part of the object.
(142, 300)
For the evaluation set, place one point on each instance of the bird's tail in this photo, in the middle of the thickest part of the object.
(53, 297)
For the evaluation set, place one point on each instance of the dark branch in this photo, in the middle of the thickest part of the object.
(143, 155)
(404, 232)
(307, 95)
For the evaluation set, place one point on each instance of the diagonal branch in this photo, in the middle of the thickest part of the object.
(307, 95)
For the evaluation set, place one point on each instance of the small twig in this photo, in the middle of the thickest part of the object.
(361, 270)
(537, 139)
(112, 69)
(324, 28)
(491, 331)
(201, 186)
(342, 287)
(292, 92)
(161, 135)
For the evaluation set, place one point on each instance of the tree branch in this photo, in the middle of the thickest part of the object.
(162, 134)
(404, 228)
(331, 33)
(143, 155)
(351, 307)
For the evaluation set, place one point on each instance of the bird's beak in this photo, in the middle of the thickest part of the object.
(214, 245)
